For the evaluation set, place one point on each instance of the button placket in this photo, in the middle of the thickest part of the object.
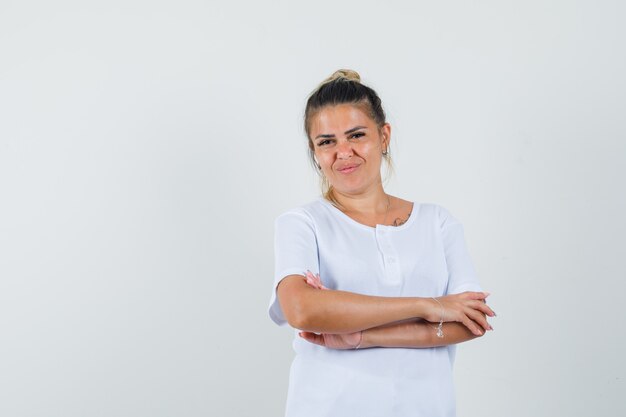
(390, 256)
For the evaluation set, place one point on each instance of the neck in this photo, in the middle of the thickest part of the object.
(373, 201)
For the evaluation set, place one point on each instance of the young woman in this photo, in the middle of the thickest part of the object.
(380, 289)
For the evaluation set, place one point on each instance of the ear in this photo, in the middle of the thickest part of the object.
(385, 131)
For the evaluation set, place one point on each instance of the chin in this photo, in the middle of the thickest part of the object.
(353, 186)
(351, 189)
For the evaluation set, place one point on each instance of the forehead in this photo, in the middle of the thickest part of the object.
(339, 118)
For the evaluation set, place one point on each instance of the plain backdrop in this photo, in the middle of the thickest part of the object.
(147, 146)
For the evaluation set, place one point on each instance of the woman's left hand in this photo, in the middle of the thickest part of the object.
(332, 341)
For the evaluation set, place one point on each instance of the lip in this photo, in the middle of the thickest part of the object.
(347, 169)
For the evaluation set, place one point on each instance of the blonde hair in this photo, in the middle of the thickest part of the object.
(341, 74)
(341, 87)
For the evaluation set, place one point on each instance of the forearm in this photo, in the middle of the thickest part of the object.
(338, 312)
(415, 334)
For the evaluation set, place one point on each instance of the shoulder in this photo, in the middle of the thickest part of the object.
(434, 213)
(307, 215)
(306, 211)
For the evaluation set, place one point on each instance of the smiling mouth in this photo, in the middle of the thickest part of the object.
(348, 169)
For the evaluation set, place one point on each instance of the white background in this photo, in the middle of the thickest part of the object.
(147, 146)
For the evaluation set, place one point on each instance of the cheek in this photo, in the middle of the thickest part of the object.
(371, 151)
(323, 159)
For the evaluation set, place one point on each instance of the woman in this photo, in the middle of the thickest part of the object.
(380, 288)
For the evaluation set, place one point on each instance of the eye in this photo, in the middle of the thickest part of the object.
(356, 135)
(324, 142)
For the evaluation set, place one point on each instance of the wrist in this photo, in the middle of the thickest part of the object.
(366, 339)
(423, 307)
(427, 332)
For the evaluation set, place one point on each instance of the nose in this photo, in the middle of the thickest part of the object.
(344, 150)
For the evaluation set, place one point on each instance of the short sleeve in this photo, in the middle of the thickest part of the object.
(295, 251)
(461, 272)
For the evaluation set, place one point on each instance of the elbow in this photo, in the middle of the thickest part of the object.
(296, 302)
(292, 315)
(297, 322)
(298, 316)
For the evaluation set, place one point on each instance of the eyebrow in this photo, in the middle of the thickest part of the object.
(347, 132)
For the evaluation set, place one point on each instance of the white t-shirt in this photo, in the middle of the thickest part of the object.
(425, 257)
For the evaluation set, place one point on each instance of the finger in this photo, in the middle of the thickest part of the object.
(318, 282)
(315, 278)
(314, 285)
(479, 312)
(479, 318)
(475, 295)
(309, 280)
(318, 339)
(472, 326)
(484, 308)
(321, 286)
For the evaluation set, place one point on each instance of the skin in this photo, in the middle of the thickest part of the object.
(410, 333)
(348, 147)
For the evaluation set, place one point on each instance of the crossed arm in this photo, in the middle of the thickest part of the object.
(336, 318)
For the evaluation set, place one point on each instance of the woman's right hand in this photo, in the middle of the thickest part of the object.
(468, 307)
(314, 280)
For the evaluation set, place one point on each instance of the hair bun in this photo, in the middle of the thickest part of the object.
(343, 74)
